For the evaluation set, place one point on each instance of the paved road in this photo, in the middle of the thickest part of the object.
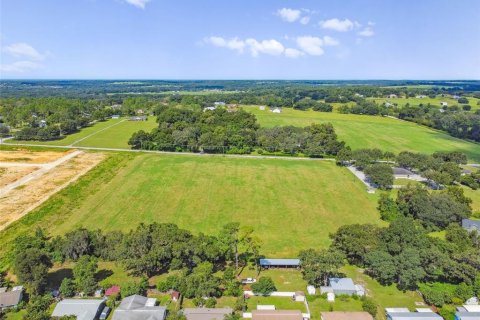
(168, 152)
(37, 173)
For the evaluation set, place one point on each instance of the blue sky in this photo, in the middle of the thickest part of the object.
(240, 39)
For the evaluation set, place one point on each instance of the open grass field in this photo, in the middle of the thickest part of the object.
(113, 133)
(117, 136)
(473, 102)
(360, 131)
(292, 205)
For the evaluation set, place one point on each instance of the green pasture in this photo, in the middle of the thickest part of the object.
(361, 131)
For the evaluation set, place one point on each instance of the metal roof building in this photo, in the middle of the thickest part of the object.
(206, 313)
(138, 307)
(471, 225)
(292, 263)
(83, 309)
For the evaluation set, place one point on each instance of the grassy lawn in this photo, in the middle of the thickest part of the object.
(317, 304)
(292, 205)
(280, 303)
(360, 131)
(118, 136)
(385, 297)
(434, 102)
(284, 279)
(70, 139)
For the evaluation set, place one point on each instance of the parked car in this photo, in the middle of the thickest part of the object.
(104, 313)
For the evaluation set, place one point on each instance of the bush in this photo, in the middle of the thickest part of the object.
(380, 174)
(210, 303)
(264, 286)
(67, 288)
(369, 306)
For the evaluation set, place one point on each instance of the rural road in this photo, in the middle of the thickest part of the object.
(38, 173)
(168, 152)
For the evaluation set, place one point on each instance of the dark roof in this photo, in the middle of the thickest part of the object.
(10, 298)
(280, 262)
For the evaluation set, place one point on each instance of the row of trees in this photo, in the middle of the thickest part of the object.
(146, 251)
(405, 255)
(183, 129)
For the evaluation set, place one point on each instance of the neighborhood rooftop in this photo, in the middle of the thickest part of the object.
(83, 309)
(279, 262)
(471, 224)
(413, 316)
(10, 298)
(206, 313)
(138, 307)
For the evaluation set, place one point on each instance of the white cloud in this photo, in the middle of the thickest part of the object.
(337, 25)
(311, 45)
(305, 20)
(233, 44)
(271, 47)
(20, 66)
(138, 3)
(23, 50)
(293, 53)
(329, 41)
(370, 23)
(289, 15)
(367, 32)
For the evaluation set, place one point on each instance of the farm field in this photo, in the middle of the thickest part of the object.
(117, 136)
(360, 131)
(473, 102)
(292, 205)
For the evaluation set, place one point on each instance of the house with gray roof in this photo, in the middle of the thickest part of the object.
(405, 314)
(471, 225)
(83, 309)
(138, 307)
(206, 313)
(10, 299)
(279, 263)
(465, 315)
(343, 286)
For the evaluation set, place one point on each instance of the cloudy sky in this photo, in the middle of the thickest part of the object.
(240, 39)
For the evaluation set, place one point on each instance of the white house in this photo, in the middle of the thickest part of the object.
(209, 109)
(277, 110)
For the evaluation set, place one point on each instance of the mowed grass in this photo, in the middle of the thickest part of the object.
(117, 136)
(360, 131)
(72, 138)
(292, 204)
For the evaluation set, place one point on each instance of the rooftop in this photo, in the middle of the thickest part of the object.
(468, 223)
(83, 309)
(277, 315)
(279, 262)
(342, 315)
(10, 298)
(342, 284)
(206, 313)
(138, 307)
(414, 316)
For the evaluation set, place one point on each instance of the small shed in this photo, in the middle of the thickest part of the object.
(331, 297)
(299, 296)
(175, 295)
(311, 290)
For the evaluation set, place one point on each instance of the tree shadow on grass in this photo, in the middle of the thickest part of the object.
(103, 274)
(56, 277)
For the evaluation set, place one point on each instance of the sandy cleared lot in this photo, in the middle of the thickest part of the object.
(27, 156)
(12, 174)
(19, 201)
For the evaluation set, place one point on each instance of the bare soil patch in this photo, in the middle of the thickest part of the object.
(12, 174)
(19, 201)
(28, 156)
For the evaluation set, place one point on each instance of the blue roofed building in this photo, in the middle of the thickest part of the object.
(279, 263)
(471, 225)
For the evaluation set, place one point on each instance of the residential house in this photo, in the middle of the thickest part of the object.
(471, 225)
(276, 110)
(279, 263)
(277, 315)
(405, 314)
(392, 96)
(342, 315)
(138, 307)
(83, 309)
(206, 313)
(219, 103)
(115, 116)
(468, 312)
(10, 299)
(209, 109)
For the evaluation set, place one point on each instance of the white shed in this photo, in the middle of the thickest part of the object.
(311, 290)
(331, 297)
